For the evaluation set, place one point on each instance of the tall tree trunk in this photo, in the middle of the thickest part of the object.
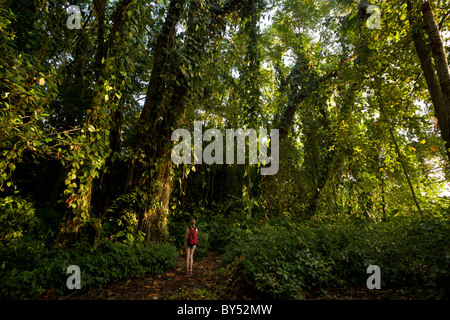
(78, 213)
(303, 81)
(383, 200)
(151, 166)
(251, 92)
(436, 88)
(102, 195)
(400, 159)
(163, 110)
(399, 155)
(79, 204)
(439, 54)
(153, 220)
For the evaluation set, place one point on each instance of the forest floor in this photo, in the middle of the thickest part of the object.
(209, 281)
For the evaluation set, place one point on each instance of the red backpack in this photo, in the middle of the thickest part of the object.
(193, 239)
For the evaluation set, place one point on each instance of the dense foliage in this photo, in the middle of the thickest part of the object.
(288, 260)
(29, 270)
(86, 123)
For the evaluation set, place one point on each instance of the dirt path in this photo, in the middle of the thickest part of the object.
(208, 281)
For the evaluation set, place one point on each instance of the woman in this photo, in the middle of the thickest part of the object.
(190, 247)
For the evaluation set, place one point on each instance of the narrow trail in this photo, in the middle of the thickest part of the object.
(208, 281)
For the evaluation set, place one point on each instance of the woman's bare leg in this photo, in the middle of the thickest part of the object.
(188, 254)
(191, 259)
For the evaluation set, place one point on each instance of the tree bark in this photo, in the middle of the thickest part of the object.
(151, 165)
(102, 195)
(80, 215)
(153, 220)
(162, 112)
(441, 102)
(100, 6)
(439, 54)
(400, 158)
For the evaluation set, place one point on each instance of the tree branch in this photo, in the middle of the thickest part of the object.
(441, 24)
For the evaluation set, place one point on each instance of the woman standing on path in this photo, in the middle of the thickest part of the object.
(190, 240)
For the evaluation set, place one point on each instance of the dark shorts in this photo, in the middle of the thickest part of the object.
(186, 245)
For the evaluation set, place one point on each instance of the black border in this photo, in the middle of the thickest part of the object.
(281, 309)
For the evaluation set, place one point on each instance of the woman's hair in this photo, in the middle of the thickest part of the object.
(193, 223)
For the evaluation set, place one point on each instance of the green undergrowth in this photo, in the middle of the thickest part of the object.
(285, 259)
(29, 269)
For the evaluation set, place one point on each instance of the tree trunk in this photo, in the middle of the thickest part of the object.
(102, 195)
(77, 215)
(383, 201)
(441, 102)
(439, 54)
(153, 220)
(163, 110)
(151, 165)
(400, 158)
(80, 202)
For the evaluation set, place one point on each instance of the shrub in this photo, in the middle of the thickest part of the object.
(16, 217)
(221, 231)
(286, 259)
(29, 269)
(277, 262)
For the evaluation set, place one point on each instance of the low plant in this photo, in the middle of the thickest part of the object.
(29, 269)
(288, 259)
